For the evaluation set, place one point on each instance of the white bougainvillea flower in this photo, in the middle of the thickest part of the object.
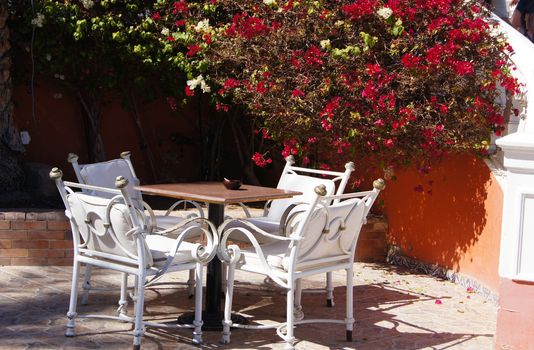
(384, 12)
(87, 4)
(38, 21)
(193, 83)
(203, 26)
(325, 44)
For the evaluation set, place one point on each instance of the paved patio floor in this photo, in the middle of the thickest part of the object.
(394, 309)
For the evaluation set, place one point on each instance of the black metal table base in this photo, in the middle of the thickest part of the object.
(210, 322)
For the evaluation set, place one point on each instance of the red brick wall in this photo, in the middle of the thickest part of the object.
(372, 244)
(44, 238)
(35, 238)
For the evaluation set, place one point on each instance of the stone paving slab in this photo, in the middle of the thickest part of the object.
(394, 309)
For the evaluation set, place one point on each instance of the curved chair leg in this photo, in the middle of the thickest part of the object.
(349, 320)
(289, 338)
(197, 333)
(123, 301)
(139, 305)
(227, 322)
(71, 314)
(329, 290)
(297, 312)
(191, 283)
(86, 283)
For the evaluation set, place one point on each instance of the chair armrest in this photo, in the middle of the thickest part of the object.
(202, 253)
(289, 214)
(224, 231)
(231, 254)
(152, 217)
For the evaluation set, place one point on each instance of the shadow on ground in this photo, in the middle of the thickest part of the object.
(393, 311)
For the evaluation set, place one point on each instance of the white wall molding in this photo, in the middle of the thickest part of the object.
(517, 237)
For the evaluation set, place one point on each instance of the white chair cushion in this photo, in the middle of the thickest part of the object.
(264, 223)
(300, 183)
(160, 246)
(275, 254)
(104, 174)
(166, 221)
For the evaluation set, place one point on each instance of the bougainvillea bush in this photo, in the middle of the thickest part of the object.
(391, 81)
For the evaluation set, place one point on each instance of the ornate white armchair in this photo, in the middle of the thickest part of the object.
(103, 174)
(298, 179)
(113, 233)
(319, 237)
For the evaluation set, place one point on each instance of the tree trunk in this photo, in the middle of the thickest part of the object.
(92, 108)
(11, 173)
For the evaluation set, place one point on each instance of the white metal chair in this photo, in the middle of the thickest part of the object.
(103, 174)
(320, 237)
(298, 179)
(112, 233)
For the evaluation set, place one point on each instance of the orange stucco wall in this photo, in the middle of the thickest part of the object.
(58, 128)
(452, 218)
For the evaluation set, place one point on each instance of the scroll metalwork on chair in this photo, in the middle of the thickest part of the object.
(112, 233)
(320, 237)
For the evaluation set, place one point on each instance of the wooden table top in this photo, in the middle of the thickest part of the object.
(215, 192)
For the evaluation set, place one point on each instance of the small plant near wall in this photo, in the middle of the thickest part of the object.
(390, 81)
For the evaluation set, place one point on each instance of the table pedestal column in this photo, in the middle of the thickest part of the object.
(212, 315)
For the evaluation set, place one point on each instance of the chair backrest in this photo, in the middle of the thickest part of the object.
(103, 174)
(329, 232)
(293, 178)
(105, 228)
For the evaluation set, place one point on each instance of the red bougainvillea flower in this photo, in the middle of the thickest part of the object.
(389, 143)
(180, 7)
(192, 50)
(247, 27)
(410, 61)
(156, 16)
(297, 93)
(260, 160)
(463, 68)
(313, 56)
(290, 147)
(207, 38)
(360, 8)
(188, 91)
(264, 134)
(222, 107)
(434, 54)
(326, 78)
